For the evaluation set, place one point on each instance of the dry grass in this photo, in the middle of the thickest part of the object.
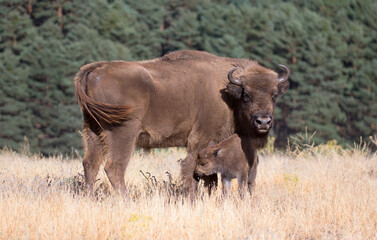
(311, 193)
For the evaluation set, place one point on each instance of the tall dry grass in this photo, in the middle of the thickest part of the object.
(311, 193)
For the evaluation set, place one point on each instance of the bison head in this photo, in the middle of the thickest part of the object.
(254, 94)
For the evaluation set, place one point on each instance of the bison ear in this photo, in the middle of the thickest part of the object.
(218, 152)
(283, 87)
(234, 90)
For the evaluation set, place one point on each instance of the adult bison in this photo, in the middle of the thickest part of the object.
(184, 99)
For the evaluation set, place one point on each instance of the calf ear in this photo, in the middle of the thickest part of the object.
(283, 87)
(234, 90)
(218, 152)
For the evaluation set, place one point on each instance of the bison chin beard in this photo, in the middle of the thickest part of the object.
(259, 140)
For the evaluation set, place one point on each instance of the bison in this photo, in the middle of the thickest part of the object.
(228, 158)
(183, 99)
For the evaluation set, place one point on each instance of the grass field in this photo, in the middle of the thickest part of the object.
(312, 193)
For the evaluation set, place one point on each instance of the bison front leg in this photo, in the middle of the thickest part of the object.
(120, 143)
(253, 174)
(190, 180)
(252, 158)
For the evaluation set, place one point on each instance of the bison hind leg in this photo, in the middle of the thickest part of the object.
(120, 143)
(93, 158)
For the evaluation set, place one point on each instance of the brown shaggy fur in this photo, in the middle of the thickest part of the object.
(100, 112)
(227, 158)
(183, 99)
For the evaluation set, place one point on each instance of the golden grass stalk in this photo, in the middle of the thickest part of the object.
(323, 193)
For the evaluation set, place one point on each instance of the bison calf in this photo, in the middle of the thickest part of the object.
(228, 158)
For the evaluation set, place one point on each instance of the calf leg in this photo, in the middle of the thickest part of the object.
(210, 182)
(120, 143)
(242, 182)
(226, 185)
(92, 159)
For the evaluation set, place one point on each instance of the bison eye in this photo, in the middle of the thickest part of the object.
(274, 96)
(246, 98)
(203, 164)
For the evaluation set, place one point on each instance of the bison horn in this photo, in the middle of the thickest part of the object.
(234, 80)
(285, 76)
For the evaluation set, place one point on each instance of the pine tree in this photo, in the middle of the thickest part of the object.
(181, 28)
(330, 47)
(218, 30)
(149, 26)
(306, 42)
(17, 35)
(60, 56)
(359, 60)
(354, 44)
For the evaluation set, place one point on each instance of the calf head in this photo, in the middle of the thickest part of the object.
(206, 162)
(254, 94)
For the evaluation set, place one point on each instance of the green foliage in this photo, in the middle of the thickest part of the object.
(330, 47)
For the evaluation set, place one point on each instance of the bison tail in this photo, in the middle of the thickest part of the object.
(101, 113)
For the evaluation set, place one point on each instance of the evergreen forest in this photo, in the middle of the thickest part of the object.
(330, 47)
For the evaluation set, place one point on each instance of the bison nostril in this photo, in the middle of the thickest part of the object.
(263, 121)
